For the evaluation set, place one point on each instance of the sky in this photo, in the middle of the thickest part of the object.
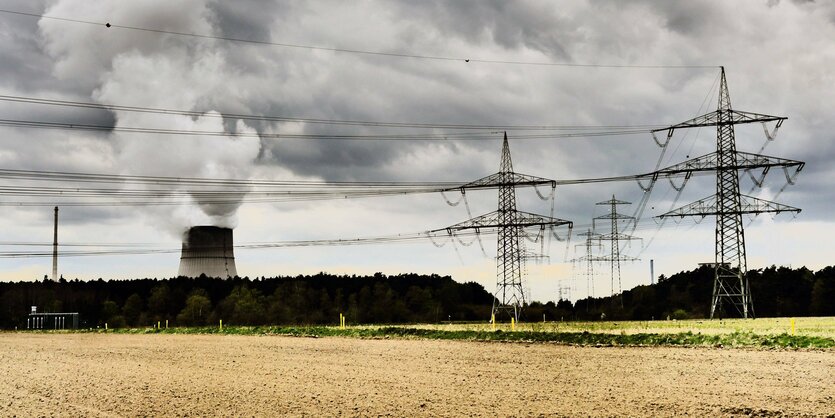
(642, 63)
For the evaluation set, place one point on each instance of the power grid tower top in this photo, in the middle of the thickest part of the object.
(615, 237)
(510, 224)
(728, 204)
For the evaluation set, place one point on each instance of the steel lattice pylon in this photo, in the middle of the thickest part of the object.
(615, 237)
(589, 260)
(728, 204)
(509, 292)
(731, 268)
(509, 224)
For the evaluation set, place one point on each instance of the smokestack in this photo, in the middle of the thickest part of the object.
(55, 248)
(652, 271)
(208, 250)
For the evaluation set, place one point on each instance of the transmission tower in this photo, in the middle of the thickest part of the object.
(589, 258)
(728, 204)
(615, 237)
(510, 224)
(564, 293)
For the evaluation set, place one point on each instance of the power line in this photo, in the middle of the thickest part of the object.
(157, 190)
(112, 249)
(384, 239)
(194, 113)
(168, 191)
(200, 181)
(349, 50)
(322, 242)
(16, 123)
(488, 131)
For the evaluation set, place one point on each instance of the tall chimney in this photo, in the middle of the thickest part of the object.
(208, 250)
(652, 271)
(55, 248)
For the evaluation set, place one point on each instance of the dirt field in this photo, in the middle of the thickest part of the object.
(200, 375)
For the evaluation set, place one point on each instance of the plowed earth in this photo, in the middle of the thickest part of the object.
(223, 375)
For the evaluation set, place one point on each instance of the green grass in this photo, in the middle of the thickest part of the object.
(739, 338)
(807, 326)
(816, 333)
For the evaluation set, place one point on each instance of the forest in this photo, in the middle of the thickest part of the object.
(316, 299)
(776, 292)
(403, 298)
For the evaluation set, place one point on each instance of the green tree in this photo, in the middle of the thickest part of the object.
(243, 306)
(158, 302)
(110, 314)
(197, 310)
(419, 304)
(109, 309)
(132, 309)
(823, 293)
(278, 312)
(679, 314)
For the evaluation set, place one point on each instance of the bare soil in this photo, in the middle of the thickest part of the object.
(223, 375)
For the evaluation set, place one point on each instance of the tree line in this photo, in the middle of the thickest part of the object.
(403, 298)
(776, 292)
(311, 299)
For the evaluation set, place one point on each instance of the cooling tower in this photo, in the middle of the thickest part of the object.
(208, 250)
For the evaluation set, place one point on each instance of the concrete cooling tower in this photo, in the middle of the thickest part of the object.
(208, 250)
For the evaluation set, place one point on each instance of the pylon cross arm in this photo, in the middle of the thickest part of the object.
(747, 204)
(740, 161)
(723, 117)
(495, 219)
(505, 179)
(617, 216)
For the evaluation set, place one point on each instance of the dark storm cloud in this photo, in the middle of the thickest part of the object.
(691, 19)
(400, 90)
(511, 25)
(57, 114)
(26, 67)
(69, 215)
(250, 19)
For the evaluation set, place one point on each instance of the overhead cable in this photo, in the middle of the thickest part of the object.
(452, 136)
(266, 118)
(109, 25)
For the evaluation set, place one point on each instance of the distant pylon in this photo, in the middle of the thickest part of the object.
(615, 237)
(589, 259)
(509, 224)
(728, 204)
(564, 293)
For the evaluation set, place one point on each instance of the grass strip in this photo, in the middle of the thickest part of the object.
(685, 339)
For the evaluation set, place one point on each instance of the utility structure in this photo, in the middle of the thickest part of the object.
(55, 247)
(590, 243)
(564, 293)
(615, 237)
(730, 284)
(651, 271)
(510, 225)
